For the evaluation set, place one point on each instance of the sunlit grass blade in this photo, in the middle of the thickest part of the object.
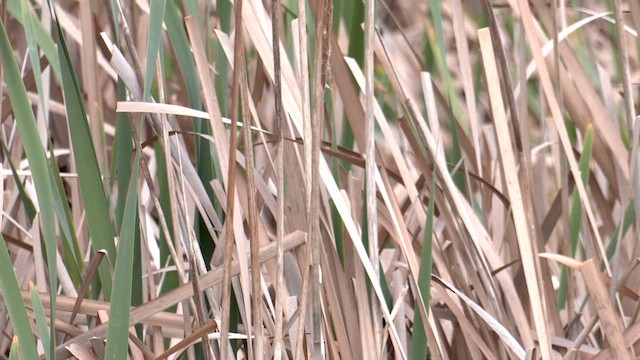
(13, 301)
(89, 178)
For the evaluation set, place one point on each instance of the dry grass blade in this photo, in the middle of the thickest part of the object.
(173, 322)
(528, 253)
(505, 336)
(257, 343)
(183, 292)
(231, 185)
(629, 107)
(202, 331)
(225, 156)
(171, 109)
(562, 132)
(305, 86)
(611, 325)
(370, 156)
(280, 122)
(89, 65)
(462, 47)
(211, 100)
(324, 9)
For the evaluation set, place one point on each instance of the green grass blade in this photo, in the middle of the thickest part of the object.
(206, 155)
(624, 226)
(118, 334)
(180, 42)
(91, 187)
(156, 19)
(454, 155)
(356, 32)
(72, 252)
(193, 8)
(41, 35)
(171, 280)
(575, 215)
(13, 300)
(587, 154)
(122, 150)
(15, 349)
(419, 344)
(576, 210)
(41, 320)
(35, 155)
(205, 152)
(223, 86)
(31, 35)
(26, 200)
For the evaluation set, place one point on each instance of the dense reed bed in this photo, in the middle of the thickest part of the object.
(394, 179)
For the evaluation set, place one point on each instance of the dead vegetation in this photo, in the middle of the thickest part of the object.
(418, 179)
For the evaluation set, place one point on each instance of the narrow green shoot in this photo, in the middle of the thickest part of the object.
(37, 160)
(41, 320)
(419, 343)
(119, 314)
(575, 215)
